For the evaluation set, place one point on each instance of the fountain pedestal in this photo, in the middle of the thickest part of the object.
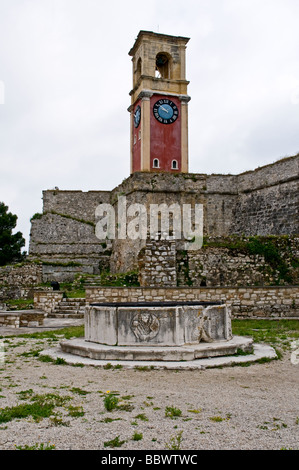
(168, 331)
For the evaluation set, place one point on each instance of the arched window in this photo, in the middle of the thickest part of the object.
(174, 165)
(162, 65)
(156, 163)
(138, 69)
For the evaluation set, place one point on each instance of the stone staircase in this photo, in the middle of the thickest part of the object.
(69, 308)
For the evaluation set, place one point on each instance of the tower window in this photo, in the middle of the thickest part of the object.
(174, 165)
(156, 163)
(162, 66)
(138, 69)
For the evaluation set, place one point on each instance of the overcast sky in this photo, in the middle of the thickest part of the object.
(65, 78)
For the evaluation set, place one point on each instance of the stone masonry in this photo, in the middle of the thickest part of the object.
(264, 201)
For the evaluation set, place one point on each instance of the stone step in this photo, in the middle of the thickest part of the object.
(66, 315)
(74, 301)
(69, 308)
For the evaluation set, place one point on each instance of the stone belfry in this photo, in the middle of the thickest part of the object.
(159, 104)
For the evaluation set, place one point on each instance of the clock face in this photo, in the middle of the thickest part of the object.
(137, 116)
(165, 111)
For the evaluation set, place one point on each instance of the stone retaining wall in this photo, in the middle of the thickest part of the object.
(245, 302)
(21, 275)
(21, 319)
(46, 301)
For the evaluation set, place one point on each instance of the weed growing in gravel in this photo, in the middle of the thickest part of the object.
(45, 358)
(172, 412)
(41, 446)
(33, 353)
(116, 442)
(137, 436)
(110, 401)
(142, 417)
(110, 420)
(216, 419)
(57, 421)
(175, 441)
(273, 426)
(79, 391)
(75, 411)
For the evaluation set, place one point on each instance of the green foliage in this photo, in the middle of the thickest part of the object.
(40, 406)
(172, 412)
(10, 244)
(116, 442)
(175, 441)
(277, 333)
(137, 436)
(110, 401)
(36, 216)
(274, 249)
(129, 279)
(37, 446)
(20, 304)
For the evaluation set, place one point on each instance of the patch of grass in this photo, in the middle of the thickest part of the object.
(79, 391)
(45, 358)
(216, 419)
(109, 366)
(57, 421)
(60, 361)
(137, 436)
(25, 394)
(277, 333)
(142, 417)
(20, 304)
(116, 442)
(41, 446)
(172, 412)
(56, 335)
(33, 353)
(129, 279)
(109, 420)
(40, 406)
(75, 411)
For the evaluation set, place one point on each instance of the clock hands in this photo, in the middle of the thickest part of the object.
(164, 109)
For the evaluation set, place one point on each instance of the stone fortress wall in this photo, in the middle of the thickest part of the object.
(264, 201)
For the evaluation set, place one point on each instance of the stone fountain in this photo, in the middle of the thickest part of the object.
(157, 334)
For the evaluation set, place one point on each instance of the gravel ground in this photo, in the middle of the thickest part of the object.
(245, 408)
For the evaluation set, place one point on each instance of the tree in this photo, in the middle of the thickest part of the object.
(10, 244)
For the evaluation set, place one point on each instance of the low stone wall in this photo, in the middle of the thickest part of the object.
(21, 319)
(244, 302)
(46, 301)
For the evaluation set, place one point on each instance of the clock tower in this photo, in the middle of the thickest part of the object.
(159, 104)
